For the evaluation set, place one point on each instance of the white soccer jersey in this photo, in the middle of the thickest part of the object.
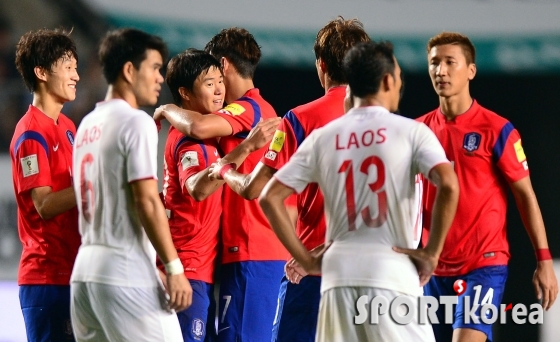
(366, 163)
(115, 145)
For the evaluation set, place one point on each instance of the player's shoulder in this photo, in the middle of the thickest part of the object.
(428, 117)
(489, 116)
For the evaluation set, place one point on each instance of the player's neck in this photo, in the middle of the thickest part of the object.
(454, 106)
(237, 87)
(114, 91)
(48, 105)
(329, 84)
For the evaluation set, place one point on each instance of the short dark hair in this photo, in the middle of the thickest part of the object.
(184, 68)
(454, 38)
(42, 48)
(366, 64)
(239, 47)
(127, 45)
(334, 40)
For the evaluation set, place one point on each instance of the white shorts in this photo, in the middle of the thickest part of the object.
(338, 309)
(101, 312)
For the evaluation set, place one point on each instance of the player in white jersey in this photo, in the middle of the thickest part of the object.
(366, 163)
(116, 291)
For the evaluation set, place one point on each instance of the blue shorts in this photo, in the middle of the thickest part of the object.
(485, 283)
(46, 312)
(298, 310)
(194, 320)
(248, 298)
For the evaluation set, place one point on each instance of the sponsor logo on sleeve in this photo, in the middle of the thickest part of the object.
(233, 109)
(519, 151)
(30, 165)
(278, 141)
(471, 141)
(189, 159)
(271, 155)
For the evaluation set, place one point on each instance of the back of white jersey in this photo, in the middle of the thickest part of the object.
(115, 145)
(366, 164)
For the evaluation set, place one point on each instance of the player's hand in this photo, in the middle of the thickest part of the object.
(180, 292)
(159, 113)
(545, 283)
(425, 263)
(294, 271)
(261, 134)
(214, 170)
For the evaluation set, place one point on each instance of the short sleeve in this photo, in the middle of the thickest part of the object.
(509, 155)
(241, 115)
(283, 145)
(191, 158)
(31, 162)
(140, 139)
(302, 167)
(428, 151)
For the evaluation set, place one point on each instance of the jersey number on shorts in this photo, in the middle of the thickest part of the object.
(87, 200)
(375, 187)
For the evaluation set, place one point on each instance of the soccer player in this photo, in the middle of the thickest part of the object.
(194, 201)
(41, 151)
(486, 152)
(365, 163)
(298, 303)
(116, 291)
(252, 257)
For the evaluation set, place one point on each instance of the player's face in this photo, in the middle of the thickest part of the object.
(62, 79)
(449, 70)
(147, 79)
(209, 91)
(397, 88)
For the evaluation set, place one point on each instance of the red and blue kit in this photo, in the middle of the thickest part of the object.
(194, 225)
(296, 125)
(246, 233)
(41, 152)
(487, 155)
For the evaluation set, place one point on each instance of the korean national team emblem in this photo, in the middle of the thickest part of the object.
(233, 109)
(278, 141)
(197, 328)
(471, 141)
(70, 137)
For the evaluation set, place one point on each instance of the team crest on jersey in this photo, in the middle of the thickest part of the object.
(70, 137)
(233, 109)
(197, 328)
(471, 141)
(189, 159)
(271, 155)
(278, 141)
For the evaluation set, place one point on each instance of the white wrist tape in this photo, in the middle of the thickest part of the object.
(174, 267)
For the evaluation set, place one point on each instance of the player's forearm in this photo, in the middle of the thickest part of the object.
(153, 219)
(182, 119)
(532, 218)
(55, 203)
(200, 186)
(445, 207)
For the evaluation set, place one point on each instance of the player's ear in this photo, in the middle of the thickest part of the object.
(128, 71)
(472, 71)
(184, 93)
(40, 73)
(387, 82)
(323, 66)
(225, 64)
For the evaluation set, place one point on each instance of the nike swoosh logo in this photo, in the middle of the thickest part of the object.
(222, 329)
(55, 148)
(215, 153)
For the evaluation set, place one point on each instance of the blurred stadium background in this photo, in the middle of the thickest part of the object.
(518, 58)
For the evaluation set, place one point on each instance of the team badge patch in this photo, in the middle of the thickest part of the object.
(197, 328)
(70, 137)
(471, 141)
(271, 155)
(189, 159)
(519, 151)
(278, 141)
(232, 109)
(30, 165)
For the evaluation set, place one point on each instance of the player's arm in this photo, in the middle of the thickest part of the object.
(544, 279)
(194, 124)
(443, 213)
(152, 216)
(50, 203)
(248, 186)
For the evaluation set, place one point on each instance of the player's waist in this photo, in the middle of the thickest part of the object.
(460, 265)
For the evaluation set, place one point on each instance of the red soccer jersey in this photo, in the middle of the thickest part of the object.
(41, 152)
(246, 233)
(487, 155)
(296, 125)
(194, 225)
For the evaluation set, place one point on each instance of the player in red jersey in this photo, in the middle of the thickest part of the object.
(194, 201)
(253, 258)
(488, 158)
(298, 303)
(41, 151)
